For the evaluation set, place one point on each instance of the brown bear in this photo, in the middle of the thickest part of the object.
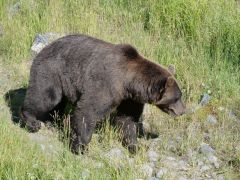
(97, 78)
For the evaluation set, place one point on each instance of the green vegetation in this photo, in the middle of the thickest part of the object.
(202, 40)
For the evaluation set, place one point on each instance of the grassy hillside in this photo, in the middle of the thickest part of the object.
(202, 40)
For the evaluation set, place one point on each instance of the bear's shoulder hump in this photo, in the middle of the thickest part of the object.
(129, 51)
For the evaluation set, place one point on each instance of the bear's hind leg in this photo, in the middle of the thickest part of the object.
(29, 121)
(38, 103)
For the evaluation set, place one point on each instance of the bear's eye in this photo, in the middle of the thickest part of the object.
(174, 100)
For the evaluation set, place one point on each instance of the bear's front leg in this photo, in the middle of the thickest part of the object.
(84, 119)
(82, 124)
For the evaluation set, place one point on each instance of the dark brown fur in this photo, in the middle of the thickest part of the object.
(97, 78)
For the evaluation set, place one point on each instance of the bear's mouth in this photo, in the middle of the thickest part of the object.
(172, 113)
(169, 112)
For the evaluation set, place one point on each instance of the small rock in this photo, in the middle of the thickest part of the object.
(205, 168)
(14, 9)
(200, 163)
(153, 156)
(115, 153)
(206, 149)
(211, 119)
(147, 170)
(170, 158)
(220, 177)
(191, 155)
(214, 174)
(170, 162)
(161, 172)
(182, 178)
(153, 178)
(182, 165)
(179, 139)
(213, 159)
(205, 99)
(42, 40)
(115, 157)
(233, 115)
(172, 146)
(85, 174)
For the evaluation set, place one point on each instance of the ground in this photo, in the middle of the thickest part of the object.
(201, 38)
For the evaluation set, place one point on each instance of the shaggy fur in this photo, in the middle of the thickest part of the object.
(97, 78)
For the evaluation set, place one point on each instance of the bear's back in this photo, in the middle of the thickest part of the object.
(72, 47)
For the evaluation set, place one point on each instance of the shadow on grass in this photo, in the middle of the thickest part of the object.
(14, 99)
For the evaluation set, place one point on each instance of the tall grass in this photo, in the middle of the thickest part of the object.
(201, 38)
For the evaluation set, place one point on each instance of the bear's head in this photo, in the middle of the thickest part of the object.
(171, 97)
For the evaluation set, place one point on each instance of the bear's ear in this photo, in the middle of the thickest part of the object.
(171, 69)
(170, 81)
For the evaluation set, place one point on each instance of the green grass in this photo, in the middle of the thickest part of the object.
(201, 38)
